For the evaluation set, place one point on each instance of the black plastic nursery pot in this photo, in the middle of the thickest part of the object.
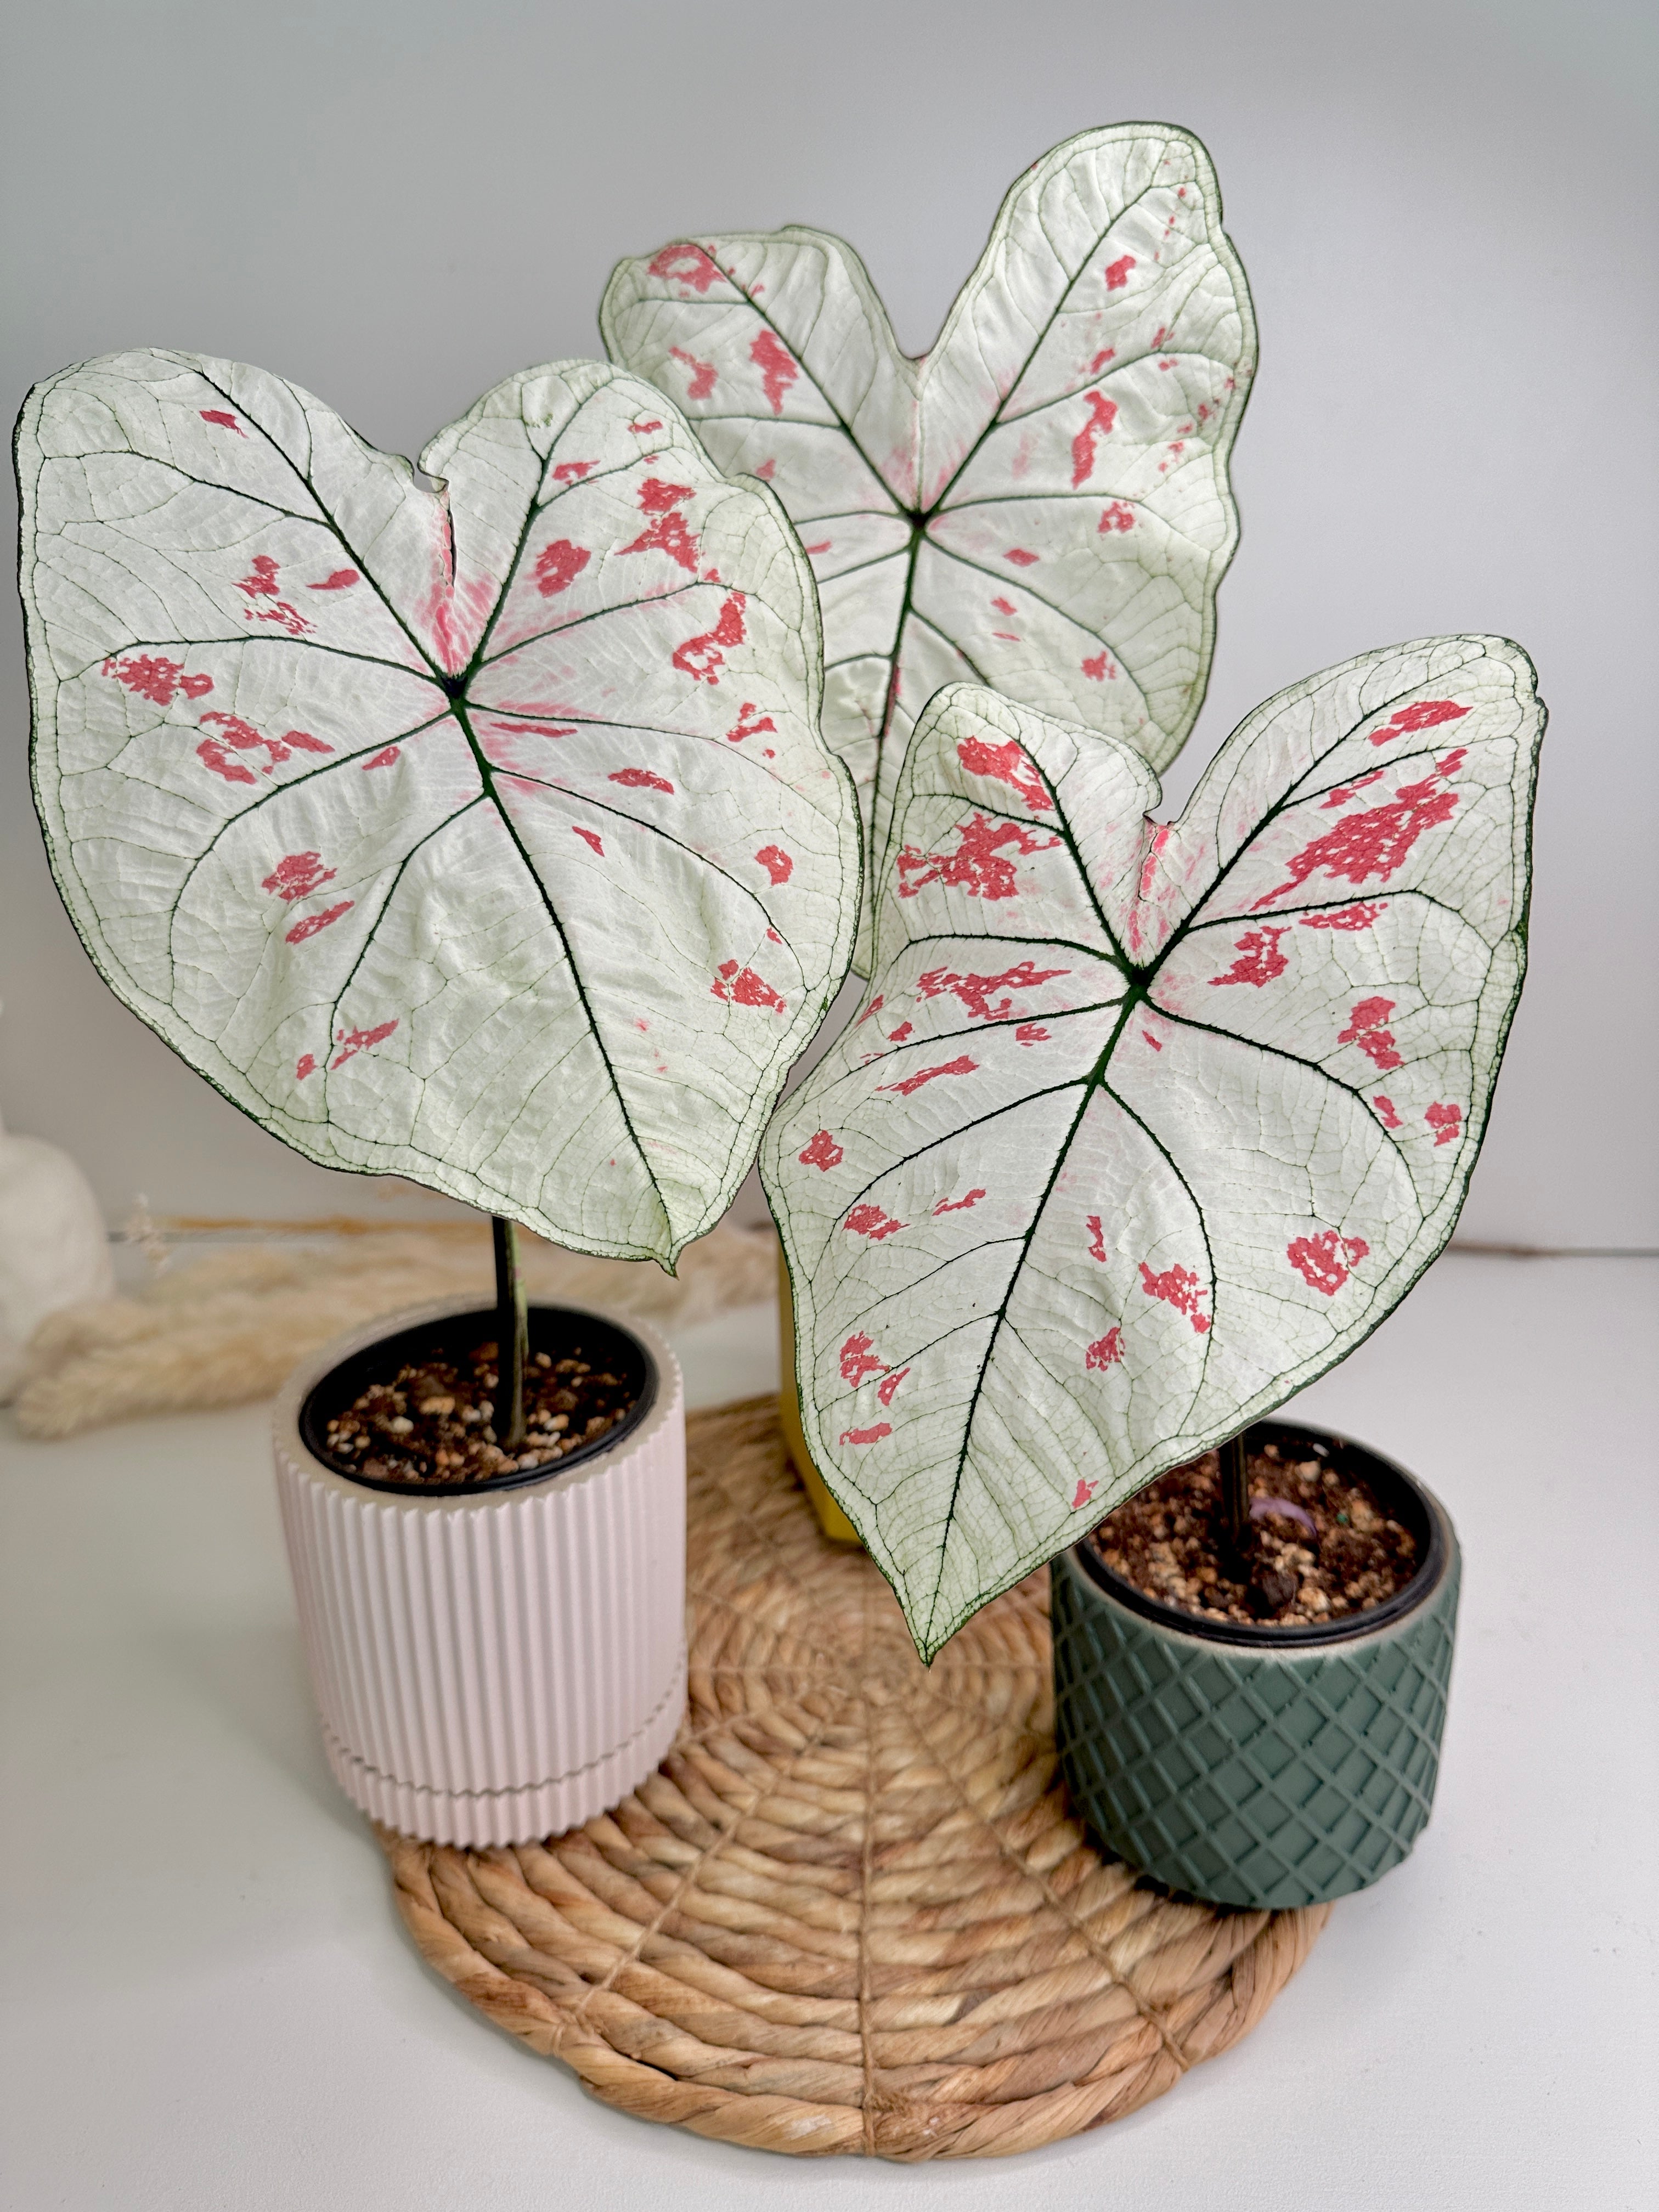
(451, 1337)
(1254, 1766)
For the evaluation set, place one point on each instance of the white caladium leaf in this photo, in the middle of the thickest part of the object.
(1143, 1127)
(1041, 503)
(476, 828)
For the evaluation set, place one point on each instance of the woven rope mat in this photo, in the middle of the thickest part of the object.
(850, 1911)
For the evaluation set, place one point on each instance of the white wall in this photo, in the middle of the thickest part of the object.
(1445, 207)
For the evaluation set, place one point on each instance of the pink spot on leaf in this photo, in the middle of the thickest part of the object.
(215, 753)
(573, 471)
(1259, 959)
(342, 580)
(1105, 1351)
(1030, 1033)
(1385, 1112)
(1149, 865)
(356, 1040)
(1180, 1288)
(821, 1152)
(1424, 714)
(870, 1221)
(742, 986)
(557, 567)
(1154, 1042)
(223, 422)
(778, 370)
(960, 1065)
(305, 1065)
(384, 758)
(742, 727)
(640, 779)
(867, 1436)
(590, 837)
(644, 429)
(668, 533)
(977, 866)
(155, 678)
(703, 377)
(1106, 354)
(1102, 413)
(313, 922)
(701, 658)
(975, 991)
(1004, 606)
(776, 863)
(1117, 517)
(959, 1204)
(1368, 1029)
(1084, 1490)
(1315, 1258)
(859, 1360)
(296, 875)
(885, 1390)
(284, 616)
(1376, 841)
(1348, 917)
(1117, 275)
(764, 471)
(1006, 763)
(1021, 557)
(1446, 1122)
(1101, 667)
(261, 583)
(684, 264)
(1096, 1230)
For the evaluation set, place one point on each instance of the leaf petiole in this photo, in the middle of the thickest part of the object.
(1235, 1493)
(513, 1334)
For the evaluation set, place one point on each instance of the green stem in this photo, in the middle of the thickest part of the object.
(513, 1335)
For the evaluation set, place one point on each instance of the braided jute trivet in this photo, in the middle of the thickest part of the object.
(851, 1910)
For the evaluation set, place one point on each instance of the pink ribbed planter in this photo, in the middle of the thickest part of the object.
(494, 1668)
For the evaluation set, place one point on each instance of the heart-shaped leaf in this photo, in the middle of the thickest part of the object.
(1143, 1127)
(478, 830)
(1041, 503)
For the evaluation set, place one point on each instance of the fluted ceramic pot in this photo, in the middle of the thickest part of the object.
(1256, 1766)
(498, 1664)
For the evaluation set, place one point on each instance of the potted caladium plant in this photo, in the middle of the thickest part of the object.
(1141, 1127)
(470, 823)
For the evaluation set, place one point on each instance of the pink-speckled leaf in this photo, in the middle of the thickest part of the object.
(1041, 503)
(1143, 1127)
(475, 828)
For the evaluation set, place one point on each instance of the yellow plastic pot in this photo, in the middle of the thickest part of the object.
(834, 1523)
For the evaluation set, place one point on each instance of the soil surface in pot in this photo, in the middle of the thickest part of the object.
(432, 1424)
(1321, 1546)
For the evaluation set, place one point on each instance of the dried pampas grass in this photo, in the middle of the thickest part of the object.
(232, 1324)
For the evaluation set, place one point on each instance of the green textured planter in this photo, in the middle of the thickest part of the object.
(1258, 1766)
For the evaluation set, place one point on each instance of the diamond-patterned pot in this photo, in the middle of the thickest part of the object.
(1258, 1767)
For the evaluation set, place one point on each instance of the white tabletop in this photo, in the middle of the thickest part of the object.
(211, 2005)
